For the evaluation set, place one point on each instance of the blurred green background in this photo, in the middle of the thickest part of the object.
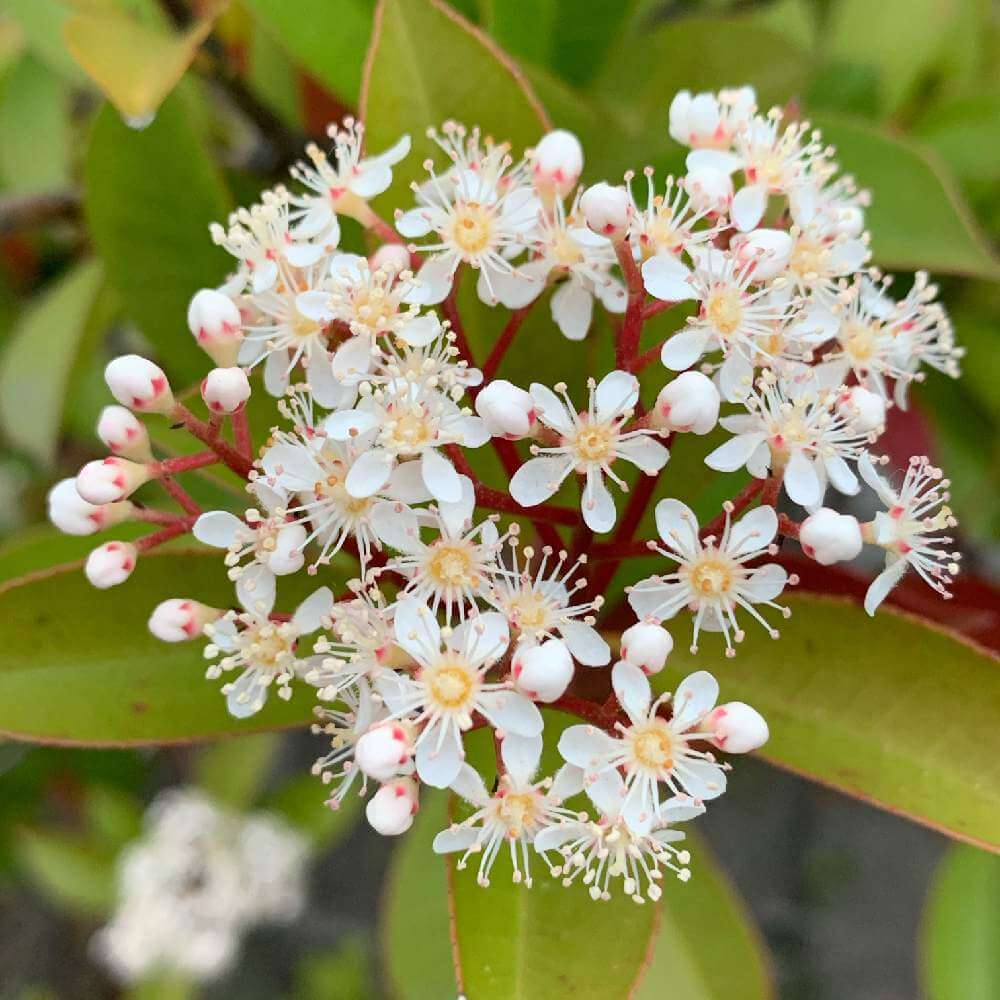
(103, 238)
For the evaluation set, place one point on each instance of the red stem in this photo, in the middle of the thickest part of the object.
(181, 495)
(152, 516)
(618, 551)
(589, 711)
(164, 534)
(450, 309)
(241, 433)
(186, 463)
(627, 345)
(240, 464)
(740, 502)
(642, 361)
(788, 527)
(655, 308)
(504, 341)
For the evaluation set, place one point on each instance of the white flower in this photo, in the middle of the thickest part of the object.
(180, 619)
(225, 390)
(797, 431)
(215, 322)
(590, 443)
(712, 578)
(110, 564)
(647, 645)
(556, 164)
(124, 434)
(829, 537)
(542, 672)
(709, 121)
(344, 185)
(450, 686)
(666, 223)
(538, 602)
(908, 529)
(517, 810)
(480, 210)
(264, 651)
(139, 384)
(507, 410)
(391, 809)
(651, 750)
(111, 480)
(607, 209)
(73, 515)
(688, 404)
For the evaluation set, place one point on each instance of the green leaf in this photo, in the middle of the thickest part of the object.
(888, 709)
(342, 974)
(326, 39)
(79, 667)
(301, 802)
(42, 21)
(68, 870)
(524, 28)
(966, 135)
(917, 217)
(687, 962)
(233, 771)
(114, 818)
(587, 29)
(150, 197)
(407, 90)
(961, 927)
(38, 358)
(163, 986)
(34, 117)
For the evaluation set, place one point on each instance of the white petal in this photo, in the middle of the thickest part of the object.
(421, 331)
(457, 517)
(245, 696)
(567, 782)
(717, 159)
(766, 582)
(291, 466)
(748, 206)
(735, 377)
(439, 766)
(676, 524)
(679, 808)
(753, 531)
(521, 754)
(616, 392)
(702, 779)
(369, 473)
(352, 358)
(551, 410)
(256, 589)
(572, 309)
(484, 638)
(883, 583)
(309, 614)
(314, 305)
(417, 630)
(734, 453)
(695, 697)
(220, 529)
(841, 475)
(511, 712)
(436, 277)
(349, 423)
(586, 746)
(684, 348)
(631, 689)
(667, 279)
(470, 786)
(396, 525)
(538, 479)
(415, 222)
(801, 481)
(440, 477)
(597, 504)
(585, 644)
(407, 483)
(645, 452)
(276, 373)
(607, 792)
(459, 839)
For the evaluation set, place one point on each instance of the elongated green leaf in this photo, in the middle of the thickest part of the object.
(78, 665)
(150, 197)
(917, 217)
(234, 771)
(960, 959)
(38, 358)
(427, 64)
(301, 802)
(69, 871)
(887, 709)
(41, 21)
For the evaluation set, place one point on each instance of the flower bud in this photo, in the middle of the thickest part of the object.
(709, 190)
(768, 249)
(647, 646)
(111, 564)
(864, 408)
(737, 727)
(139, 384)
(71, 514)
(543, 672)
(557, 162)
(606, 210)
(392, 257)
(829, 537)
(124, 434)
(507, 411)
(225, 390)
(689, 402)
(288, 553)
(215, 321)
(180, 619)
(111, 479)
(392, 808)
(383, 750)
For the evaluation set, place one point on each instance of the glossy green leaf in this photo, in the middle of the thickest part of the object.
(302, 802)
(150, 197)
(468, 79)
(234, 771)
(326, 39)
(78, 665)
(37, 360)
(888, 709)
(340, 974)
(917, 217)
(41, 22)
(965, 134)
(68, 870)
(523, 28)
(959, 955)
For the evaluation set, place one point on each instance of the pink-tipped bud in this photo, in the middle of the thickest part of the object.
(180, 619)
(689, 402)
(557, 162)
(111, 479)
(542, 672)
(214, 320)
(139, 384)
(225, 390)
(864, 408)
(829, 537)
(288, 553)
(392, 808)
(384, 750)
(647, 646)
(392, 257)
(111, 564)
(71, 514)
(709, 190)
(507, 411)
(607, 210)
(736, 728)
(124, 434)
(767, 250)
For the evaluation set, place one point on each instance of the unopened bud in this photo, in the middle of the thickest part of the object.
(225, 390)
(736, 727)
(288, 553)
(139, 384)
(214, 320)
(542, 672)
(111, 564)
(124, 434)
(391, 809)
(709, 190)
(557, 162)
(392, 257)
(647, 646)
(382, 752)
(507, 411)
(180, 619)
(766, 250)
(829, 537)
(111, 479)
(606, 210)
(689, 402)
(71, 514)
(864, 408)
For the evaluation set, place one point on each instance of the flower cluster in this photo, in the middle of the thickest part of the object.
(194, 883)
(430, 616)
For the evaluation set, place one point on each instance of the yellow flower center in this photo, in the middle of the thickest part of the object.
(594, 442)
(809, 258)
(452, 687)
(518, 811)
(268, 646)
(858, 340)
(652, 745)
(374, 308)
(452, 565)
(408, 430)
(566, 250)
(711, 576)
(472, 230)
(302, 327)
(530, 611)
(724, 310)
